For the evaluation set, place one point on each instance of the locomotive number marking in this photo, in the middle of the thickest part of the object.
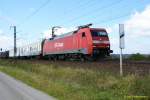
(58, 45)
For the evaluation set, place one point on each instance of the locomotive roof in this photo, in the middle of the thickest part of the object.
(72, 32)
(64, 35)
(98, 29)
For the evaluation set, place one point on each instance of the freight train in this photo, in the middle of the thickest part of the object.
(83, 43)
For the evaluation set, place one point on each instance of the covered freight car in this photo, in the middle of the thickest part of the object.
(26, 51)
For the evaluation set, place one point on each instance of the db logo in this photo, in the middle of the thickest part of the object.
(58, 45)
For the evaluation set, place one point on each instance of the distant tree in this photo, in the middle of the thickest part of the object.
(137, 56)
(148, 57)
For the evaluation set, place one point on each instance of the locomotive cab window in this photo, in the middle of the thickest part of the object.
(99, 33)
(83, 34)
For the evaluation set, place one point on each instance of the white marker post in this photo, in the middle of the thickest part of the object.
(121, 45)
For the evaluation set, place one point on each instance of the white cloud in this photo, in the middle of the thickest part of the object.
(47, 34)
(5, 42)
(1, 31)
(137, 33)
(138, 24)
(7, 19)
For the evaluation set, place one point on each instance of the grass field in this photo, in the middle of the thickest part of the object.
(69, 83)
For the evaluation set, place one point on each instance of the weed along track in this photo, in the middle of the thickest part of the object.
(129, 67)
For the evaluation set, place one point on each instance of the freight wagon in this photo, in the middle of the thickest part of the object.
(31, 50)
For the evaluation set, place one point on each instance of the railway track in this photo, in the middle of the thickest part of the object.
(138, 62)
(110, 65)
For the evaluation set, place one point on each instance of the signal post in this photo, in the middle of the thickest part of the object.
(121, 46)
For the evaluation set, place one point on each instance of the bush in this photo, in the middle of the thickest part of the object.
(148, 58)
(137, 98)
(137, 56)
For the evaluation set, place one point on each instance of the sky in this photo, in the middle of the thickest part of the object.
(34, 19)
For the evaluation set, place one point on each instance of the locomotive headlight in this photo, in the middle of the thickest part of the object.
(106, 42)
(97, 41)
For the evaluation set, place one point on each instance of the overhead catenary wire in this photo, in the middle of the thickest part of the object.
(80, 4)
(95, 10)
(108, 6)
(103, 7)
(113, 19)
(116, 2)
(35, 12)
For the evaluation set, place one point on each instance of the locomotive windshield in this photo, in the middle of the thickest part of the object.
(99, 33)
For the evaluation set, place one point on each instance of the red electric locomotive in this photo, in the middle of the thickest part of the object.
(83, 43)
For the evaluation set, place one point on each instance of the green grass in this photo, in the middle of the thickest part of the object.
(67, 83)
